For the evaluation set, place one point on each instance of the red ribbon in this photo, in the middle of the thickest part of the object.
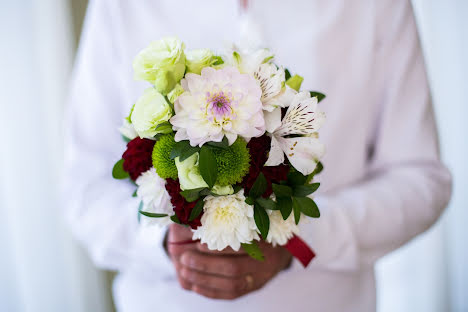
(185, 242)
(300, 250)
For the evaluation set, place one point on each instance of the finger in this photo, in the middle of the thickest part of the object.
(179, 233)
(235, 284)
(226, 251)
(184, 283)
(176, 250)
(214, 294)
(219, 265)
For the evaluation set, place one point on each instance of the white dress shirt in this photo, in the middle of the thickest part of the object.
(383, 181)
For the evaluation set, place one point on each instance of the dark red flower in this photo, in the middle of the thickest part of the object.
(258, 148)
(182, 208)
(137, 157)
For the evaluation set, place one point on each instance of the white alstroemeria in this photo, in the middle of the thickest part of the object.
(302, 118)
(275, 93)
(247, 62)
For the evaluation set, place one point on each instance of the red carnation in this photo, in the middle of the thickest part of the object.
(137, 157)
(258, 148)
(182, 208)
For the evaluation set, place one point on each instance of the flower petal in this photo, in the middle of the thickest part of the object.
(276, 154)
(301, 117)
(303, 152)
(272, 120)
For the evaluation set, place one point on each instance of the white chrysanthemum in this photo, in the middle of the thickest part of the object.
(227, 221)
(281, 230)
(218, 103)
(152, 192)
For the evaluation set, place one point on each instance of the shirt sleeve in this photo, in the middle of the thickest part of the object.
(406, 186)
(101, 211)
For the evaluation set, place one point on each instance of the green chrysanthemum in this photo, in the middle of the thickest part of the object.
(233, 163)
(162, 162)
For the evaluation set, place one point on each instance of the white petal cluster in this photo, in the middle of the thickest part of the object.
(152, 192)
(281, 230)
(302, 118)
(227, 221)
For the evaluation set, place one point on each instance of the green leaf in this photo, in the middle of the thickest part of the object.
(237, 188)
(267, 203)
(287, 74)
(304, 190)
(175, 219)
(196, 210)
(250, 200)
(218, 60)
(316, 171)
(153, 215)
(178, 148)
(192, 195)
(320, 96)
(307, 206)
(183, 150)
(282, 190)
(224, 144)
(284, 204)
(164, 127)
(259, 187)
(295, 82)
(125, 138)
(296, 178)
(254, 251)
(296, 210)
(261, 220)
(208, 166)
(118, 171)
(134, 194)
(205, 192)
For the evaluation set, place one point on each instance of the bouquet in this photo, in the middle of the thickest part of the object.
(224, 144)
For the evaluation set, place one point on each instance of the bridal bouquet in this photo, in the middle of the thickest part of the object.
(225, 144)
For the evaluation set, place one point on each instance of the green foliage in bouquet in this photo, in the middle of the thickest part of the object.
(233, 162)
(162, 162)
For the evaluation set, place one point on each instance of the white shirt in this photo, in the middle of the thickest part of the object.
(383, 182)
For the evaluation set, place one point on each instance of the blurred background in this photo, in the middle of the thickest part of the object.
(41, 266)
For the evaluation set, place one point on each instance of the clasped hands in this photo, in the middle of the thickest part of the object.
(223, 274)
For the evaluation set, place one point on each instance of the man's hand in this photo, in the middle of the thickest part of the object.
(223, 274)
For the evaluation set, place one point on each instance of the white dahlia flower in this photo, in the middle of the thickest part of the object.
(227, 221)
(281, 230)
(152, 192)
(218, 103)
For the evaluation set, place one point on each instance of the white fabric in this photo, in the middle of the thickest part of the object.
(41, 266)
(383, 182)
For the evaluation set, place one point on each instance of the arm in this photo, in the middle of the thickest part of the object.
(407, 187)
(101, 211)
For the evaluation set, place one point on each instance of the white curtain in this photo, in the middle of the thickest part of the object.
(431, 273)
(41, 268)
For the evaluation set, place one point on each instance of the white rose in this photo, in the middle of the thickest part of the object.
(189, 173)
(162, 63)
(198, 59)
(150, 110)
